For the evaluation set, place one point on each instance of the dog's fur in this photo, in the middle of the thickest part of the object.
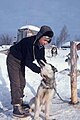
(46, 90)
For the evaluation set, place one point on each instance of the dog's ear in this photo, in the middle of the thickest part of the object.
(41, 63)
(54, 69)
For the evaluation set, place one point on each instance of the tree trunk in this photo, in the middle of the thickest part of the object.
(73, 76)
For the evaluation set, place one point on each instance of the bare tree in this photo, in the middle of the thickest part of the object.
(5, 39)
(63, 36)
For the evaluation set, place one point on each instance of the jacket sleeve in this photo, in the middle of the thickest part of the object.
(33, 67)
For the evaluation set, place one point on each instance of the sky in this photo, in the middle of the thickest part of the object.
(55, 13)
(59, 109)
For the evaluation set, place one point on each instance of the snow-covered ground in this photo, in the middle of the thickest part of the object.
(59, 110)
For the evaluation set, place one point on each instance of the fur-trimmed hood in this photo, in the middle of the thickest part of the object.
(44, 31)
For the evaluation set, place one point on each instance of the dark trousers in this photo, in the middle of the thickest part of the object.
(16, 72)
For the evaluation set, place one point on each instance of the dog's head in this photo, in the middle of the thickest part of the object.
(68, 59)
(47, 70)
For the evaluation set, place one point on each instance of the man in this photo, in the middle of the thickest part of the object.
(21, 54)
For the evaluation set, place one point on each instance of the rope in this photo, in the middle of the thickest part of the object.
(66, 101)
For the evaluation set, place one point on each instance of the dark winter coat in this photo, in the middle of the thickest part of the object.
(28, 49)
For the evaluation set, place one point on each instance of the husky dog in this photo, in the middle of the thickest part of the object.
(54, 51)
(46, 90)
(68, 59)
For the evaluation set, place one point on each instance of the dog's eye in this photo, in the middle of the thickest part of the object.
(44, 75)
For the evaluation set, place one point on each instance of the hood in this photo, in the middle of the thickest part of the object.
(44, 31)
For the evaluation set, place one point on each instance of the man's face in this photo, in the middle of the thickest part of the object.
(44, 40)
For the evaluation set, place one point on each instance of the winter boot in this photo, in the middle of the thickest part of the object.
(26, 107)
(18, 111)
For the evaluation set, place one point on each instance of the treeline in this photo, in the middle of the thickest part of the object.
(63, 37)
(5, 39)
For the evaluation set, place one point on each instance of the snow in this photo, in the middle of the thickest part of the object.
(31, 27)
(60, 110)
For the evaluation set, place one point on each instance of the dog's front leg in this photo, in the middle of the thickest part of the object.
(37, 108)
(49, 97)
(47, 108)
